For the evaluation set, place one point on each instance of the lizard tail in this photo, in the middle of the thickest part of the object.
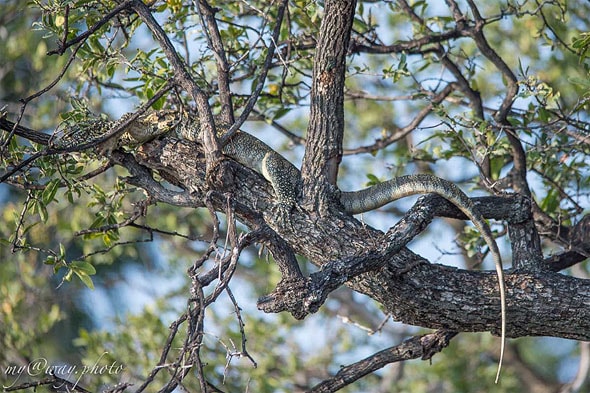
(383, 193)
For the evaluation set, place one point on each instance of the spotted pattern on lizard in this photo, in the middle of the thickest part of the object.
(284, 177)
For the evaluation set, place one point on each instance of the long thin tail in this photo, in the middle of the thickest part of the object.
(383, 193)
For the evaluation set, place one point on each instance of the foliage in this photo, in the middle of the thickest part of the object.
(422, 94)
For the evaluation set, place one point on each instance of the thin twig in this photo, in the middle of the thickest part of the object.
(261, 79)
(207, 15)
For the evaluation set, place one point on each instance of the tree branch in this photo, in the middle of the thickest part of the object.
(185, 79)
(419, 347)
(262, 73)
(214, 40)
(407, 129)
(524, 234)
(323, 151)
(82, 37)
(401, 281)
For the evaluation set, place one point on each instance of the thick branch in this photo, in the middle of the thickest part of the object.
(419, 347)
(326, 126)
(538, 304)
(185, 79)
(524, 234)
(24, 132)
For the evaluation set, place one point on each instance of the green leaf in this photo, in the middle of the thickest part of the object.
(98, 222)
(281, 112)
(83, 267)
(551, 202)
(85, 279)
(583, 82)
(27, 228)
(69, 195)
(42, 210)
(544, 114)
(96, 45)
(50, 191)
(159, 104)
(372, 180)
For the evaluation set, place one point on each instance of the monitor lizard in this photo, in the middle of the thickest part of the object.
(284, 177)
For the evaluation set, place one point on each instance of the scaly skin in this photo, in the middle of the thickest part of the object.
(285, 177)
(399, 187)
(146, 127)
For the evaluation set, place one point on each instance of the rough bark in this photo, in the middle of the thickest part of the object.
(410, 288)
(348, 252)
(326, 125)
